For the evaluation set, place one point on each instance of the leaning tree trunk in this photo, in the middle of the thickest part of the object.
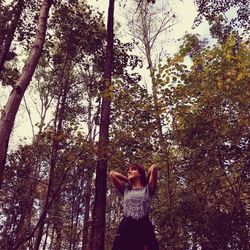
(9, 37)
(16, 95)
(98, 226)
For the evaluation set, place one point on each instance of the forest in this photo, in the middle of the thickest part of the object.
(67, 64)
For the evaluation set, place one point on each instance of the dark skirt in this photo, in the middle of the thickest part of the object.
(135, 235)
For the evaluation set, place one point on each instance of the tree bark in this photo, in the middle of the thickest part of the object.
(9, 37)
(16, 95)
(98, 226)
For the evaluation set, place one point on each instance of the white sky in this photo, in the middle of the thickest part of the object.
(186, 12)
(185, 9)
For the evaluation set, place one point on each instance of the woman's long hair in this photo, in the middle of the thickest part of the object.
(142, 172)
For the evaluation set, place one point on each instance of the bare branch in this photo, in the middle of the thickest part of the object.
(29, 114)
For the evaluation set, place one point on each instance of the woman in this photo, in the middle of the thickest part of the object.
(135, 231)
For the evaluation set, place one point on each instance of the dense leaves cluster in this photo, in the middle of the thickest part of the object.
(213, 8)
(211, 133)
(225, 17)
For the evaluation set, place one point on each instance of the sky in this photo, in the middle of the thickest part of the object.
(185, 9)
(186, 12)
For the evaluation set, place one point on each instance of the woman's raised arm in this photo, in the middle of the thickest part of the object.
(118, 180)
(152, 176)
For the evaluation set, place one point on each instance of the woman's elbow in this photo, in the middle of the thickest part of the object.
(112, 174)
(153, 169)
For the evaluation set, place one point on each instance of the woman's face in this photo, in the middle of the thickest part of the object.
(133, 173)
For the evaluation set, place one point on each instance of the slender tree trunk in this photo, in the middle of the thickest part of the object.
(52, 238)
(9, 37)
(73, 201)
(86, 201)
(46, 237)
(15, 98)
(78, 210)
(98, 226)
(58, 243)
(44, 211)
(42, 221)
(4, 234)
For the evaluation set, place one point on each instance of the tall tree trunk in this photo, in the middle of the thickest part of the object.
(9, 37)
(15, 98)
(98, 227)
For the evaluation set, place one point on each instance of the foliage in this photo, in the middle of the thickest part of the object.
(213, 8)
(211, 131)
(220, 16)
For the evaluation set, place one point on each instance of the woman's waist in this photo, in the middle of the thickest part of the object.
(133, 220)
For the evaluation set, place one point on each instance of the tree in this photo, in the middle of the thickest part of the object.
(13, 103)
(61, 215)
(210, 129)
(5, 46)
(57, 132)
(98, 227)
(212, 8)
(67, 58)
(216, 13)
